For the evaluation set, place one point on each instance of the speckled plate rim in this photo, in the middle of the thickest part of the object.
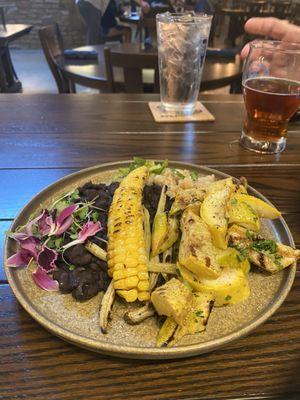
(145, 352)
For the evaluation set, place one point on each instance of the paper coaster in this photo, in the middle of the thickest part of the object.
(200, 114)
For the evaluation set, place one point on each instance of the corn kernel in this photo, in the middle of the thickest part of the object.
(129, 295)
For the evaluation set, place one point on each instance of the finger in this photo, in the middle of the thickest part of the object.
(245, 51)
(273, 27)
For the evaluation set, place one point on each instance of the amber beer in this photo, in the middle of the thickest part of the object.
(270, 103)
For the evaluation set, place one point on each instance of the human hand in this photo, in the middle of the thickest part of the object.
(272, 27)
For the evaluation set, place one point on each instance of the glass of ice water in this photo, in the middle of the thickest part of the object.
(182, 41)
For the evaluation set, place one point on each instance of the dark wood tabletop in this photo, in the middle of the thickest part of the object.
(218, 71)
(45, 137)
(12, 32)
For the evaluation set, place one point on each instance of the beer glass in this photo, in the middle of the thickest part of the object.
(271, 88)
(182, 41)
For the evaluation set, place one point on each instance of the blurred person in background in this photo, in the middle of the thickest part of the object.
(92, 11)
(100, 20)
(109, 23)
(273, 28)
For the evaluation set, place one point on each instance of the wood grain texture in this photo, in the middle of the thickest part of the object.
(83, 149)
(46, 137)
(42, 366)
(274, 182)
(121, 113)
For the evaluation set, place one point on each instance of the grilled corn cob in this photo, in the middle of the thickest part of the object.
(127, 254)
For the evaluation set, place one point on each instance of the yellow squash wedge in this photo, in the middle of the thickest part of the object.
(231, 258)
(241, 213)
(213, 212)
(263, 209)
(231, 287)
(196, 251)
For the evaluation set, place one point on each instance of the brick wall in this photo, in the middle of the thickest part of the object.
(44, 12)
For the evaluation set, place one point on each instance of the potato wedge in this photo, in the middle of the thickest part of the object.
(196, 251)
(213, 212)
(231, 287)
(263, 209)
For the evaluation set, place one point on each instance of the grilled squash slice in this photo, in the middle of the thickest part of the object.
(229, 288)
(196, 251)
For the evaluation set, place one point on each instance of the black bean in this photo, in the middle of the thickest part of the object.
(83, 259)
(90, 194)
(64, 282)
(102, 203)
(102, 265)
(112, 187)
(86, 290)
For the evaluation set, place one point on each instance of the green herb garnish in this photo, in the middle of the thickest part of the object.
(71, 267)
(267, 246)
(155, 168)
(243, 253)
(178, 173)
(199, 313)
(227, 298)
(233, 201)
(159, 167)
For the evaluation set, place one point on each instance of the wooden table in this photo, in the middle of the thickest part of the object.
(217, 71)
(44, 137)
(9, 81)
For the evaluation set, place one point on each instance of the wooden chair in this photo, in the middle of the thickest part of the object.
(256, 8)
(148, 25)
(132, 65)
(282, 9)
(52, 45)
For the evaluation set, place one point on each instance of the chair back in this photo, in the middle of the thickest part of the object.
(132, 65)
(52, 45)
(256, 8)
(148, 25)
(158, 8)
(282, 9)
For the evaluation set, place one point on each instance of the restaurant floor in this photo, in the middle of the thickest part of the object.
(34, 73)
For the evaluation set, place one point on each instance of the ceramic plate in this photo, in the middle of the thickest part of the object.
(78, 322)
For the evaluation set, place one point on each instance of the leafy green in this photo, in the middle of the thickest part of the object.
(55, 243)
(194, 175)
(74, 195)
(159, 167)
(82, 212)
(155, 168)
(227, 298)
(178, 173)
(61, 205)
(95, 216)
